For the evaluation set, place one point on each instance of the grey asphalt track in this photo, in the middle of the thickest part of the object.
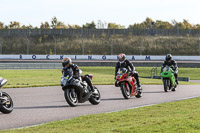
(33, 106)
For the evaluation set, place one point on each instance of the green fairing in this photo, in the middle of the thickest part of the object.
(168, 74)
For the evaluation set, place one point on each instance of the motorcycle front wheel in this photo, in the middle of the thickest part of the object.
(125, 91)
(6, 103)
(72, 99)
(166, 83)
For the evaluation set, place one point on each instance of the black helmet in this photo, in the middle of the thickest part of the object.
(168, 57)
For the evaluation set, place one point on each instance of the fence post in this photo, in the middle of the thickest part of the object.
(199, 46)
(1, 47)
(178, 30)
(170, 45)
(82, 41)
(140, 46)
(199, 42)
(28, 41)
(54, 44)
(111, 46)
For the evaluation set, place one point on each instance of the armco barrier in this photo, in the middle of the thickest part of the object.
(179, 78)
(58, 65)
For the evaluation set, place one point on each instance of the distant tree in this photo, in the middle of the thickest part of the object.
(187, 24)
(60, 25)
(54, 22)
(178, 25)
(91, 25)
(45, 25)
(1, 25)
(23, 27)
(14, 25)
(197, 26)
(137, 26)
(30, 26)
(73, 26)
(115, 26)
(148, 23)
(101, 24)
(27, 27)
(162, 25)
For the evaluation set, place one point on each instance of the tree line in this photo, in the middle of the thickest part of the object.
(148, 23)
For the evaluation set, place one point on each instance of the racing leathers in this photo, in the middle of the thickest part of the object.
(129, 66)
(173, 65)
(77, 75)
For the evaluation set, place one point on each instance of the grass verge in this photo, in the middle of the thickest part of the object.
(173, 117)
(102, 76)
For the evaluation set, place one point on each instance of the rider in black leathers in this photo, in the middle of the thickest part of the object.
(124, 63)
(67, 64)
(172, 63)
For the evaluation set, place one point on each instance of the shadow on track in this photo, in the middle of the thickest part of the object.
(154, 92)
(110, 99)
(40, 107)
(45, 107)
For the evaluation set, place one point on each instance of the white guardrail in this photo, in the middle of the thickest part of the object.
(95, 57)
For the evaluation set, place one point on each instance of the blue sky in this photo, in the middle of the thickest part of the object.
(124, 12)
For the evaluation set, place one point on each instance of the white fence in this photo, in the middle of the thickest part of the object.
(96, 57)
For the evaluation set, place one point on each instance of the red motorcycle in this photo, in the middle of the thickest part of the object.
(127, 84)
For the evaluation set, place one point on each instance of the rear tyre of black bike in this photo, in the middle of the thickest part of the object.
(6, 103)
(95, 98)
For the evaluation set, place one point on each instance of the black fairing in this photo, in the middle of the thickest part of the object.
(73, 83)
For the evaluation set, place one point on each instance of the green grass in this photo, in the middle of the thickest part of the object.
(180, 116)
(102, 75)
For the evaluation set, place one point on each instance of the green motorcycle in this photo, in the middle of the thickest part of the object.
(168, 78)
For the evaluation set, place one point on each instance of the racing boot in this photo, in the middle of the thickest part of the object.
(139, 88)
(177, 81)
(94, 91)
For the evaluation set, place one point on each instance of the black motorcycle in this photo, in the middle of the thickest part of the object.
(6, 103)
(78, 91)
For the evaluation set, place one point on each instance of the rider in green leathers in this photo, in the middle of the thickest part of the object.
(172, 63)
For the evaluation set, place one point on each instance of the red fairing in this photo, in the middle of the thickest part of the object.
(129, 82)
(90, 76)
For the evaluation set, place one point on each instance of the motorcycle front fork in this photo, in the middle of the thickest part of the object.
(73, 93)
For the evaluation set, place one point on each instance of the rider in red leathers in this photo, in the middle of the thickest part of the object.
(124, 63)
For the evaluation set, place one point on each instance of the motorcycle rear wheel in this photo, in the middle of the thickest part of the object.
(174, 88)
(139, 94)
(125, 92)
(7, 106)
(72, 101)
(95, 98)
